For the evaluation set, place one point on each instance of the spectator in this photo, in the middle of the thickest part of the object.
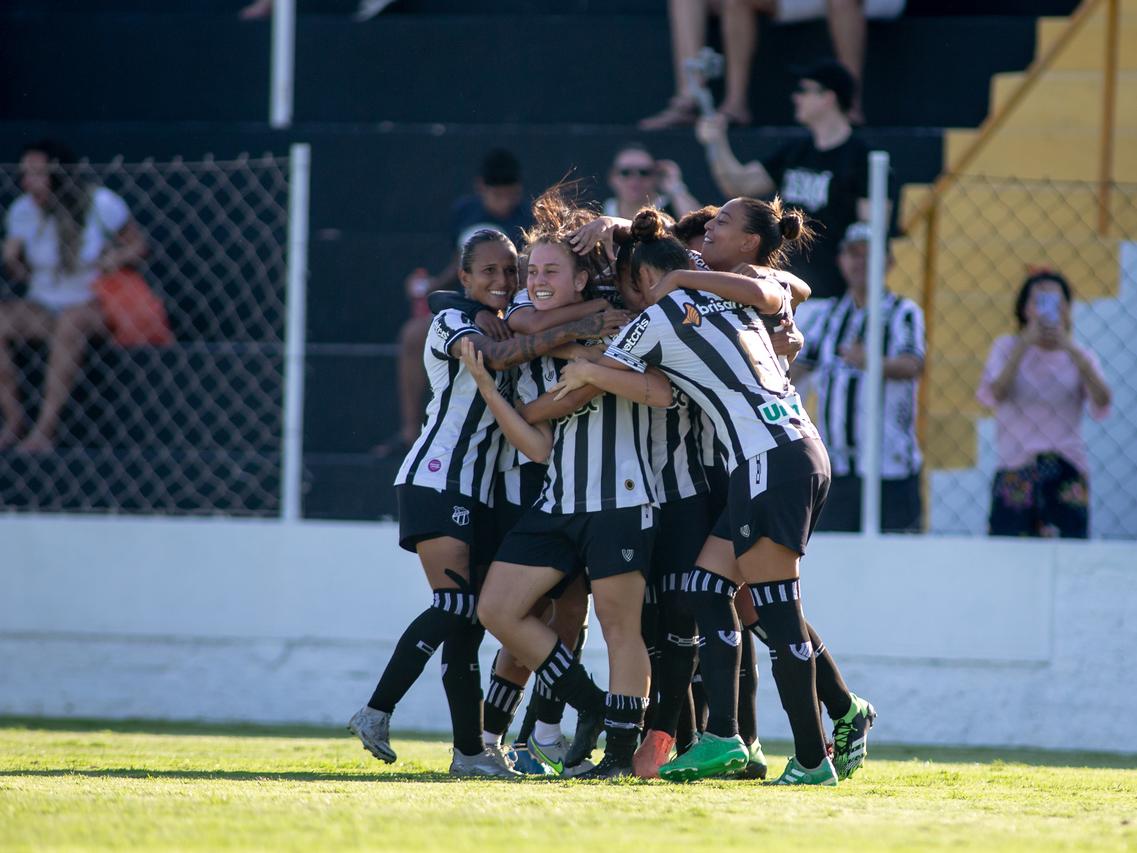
(59, 235)
(639, 180)
(825, 174)
(834, 354)
(498, 204)
(739, 20)
(1039, 381)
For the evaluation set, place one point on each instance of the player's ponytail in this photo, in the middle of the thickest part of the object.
(780, 230)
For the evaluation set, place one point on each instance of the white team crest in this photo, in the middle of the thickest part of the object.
(731, 638)
(745, 531)
(461, 516)
(803, 651)
(627, 554)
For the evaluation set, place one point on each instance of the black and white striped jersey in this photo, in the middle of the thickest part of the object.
(520, 300)
(720, 353)
(601, 456)
(676, 452)
(841, 387)
(528, 383)
(459, 444)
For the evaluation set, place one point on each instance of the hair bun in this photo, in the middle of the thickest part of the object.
(791, 224)
(649, 224)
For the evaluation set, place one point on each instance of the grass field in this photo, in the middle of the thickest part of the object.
(67, 784)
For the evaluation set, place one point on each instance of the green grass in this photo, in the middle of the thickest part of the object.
(69, 784)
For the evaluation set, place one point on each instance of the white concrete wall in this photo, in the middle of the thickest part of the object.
(956, 640)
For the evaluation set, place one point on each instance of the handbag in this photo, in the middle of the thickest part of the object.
(134, 315)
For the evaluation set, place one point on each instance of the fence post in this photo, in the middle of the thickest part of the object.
(295, 331)
(874, 357)
(283, 63)
(1108, 117)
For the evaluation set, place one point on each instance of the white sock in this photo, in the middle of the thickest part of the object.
(546, 732)
(490, 739)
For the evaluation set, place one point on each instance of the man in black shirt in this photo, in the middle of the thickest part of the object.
(826, 174)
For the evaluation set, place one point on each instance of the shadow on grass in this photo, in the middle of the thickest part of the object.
(253, 776)
(890, 752)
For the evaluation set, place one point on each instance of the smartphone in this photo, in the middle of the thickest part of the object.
(1049, 307)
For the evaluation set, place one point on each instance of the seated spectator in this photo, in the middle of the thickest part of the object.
(59, 236)
(497, 203)
(834, 356)
(1039, 382)
(739, 21)
(639, 180)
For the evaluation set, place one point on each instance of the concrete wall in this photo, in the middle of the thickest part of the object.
(955, 640)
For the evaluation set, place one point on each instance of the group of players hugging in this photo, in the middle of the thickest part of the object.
(622, 426)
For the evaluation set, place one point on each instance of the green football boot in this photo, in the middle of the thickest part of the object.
(711, 756)
(756, 766)
(795, 774)
(851, 737)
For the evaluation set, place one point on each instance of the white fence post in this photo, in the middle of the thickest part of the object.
(874, 358)
(283, 62)
(295, 332)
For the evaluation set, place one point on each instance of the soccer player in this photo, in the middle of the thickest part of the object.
(718, 350)
(443, 491)
(595, 511)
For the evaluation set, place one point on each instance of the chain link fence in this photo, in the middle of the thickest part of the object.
(191, 425)
(1003, 427)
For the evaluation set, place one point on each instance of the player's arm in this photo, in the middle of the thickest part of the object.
(761, 293)
(549, 407)
(500, 355)
(527, 320)
(534, 440)
(485, 318)
(651, 388)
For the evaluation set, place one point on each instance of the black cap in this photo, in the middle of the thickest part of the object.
(833, 76)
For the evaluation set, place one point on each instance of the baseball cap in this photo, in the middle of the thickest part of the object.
(833, 76)
(858, 232)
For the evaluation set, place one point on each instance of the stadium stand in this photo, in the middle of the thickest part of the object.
(412, 94)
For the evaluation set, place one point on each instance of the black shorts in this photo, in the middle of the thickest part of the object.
(507, 514)
(608, 543)
(683, 528)
(426, 513)
(718, 482)
(777, 495)
(901, 508)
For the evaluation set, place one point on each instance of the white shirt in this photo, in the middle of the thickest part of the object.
(49, 285)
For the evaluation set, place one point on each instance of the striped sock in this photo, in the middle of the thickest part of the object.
(623, 722)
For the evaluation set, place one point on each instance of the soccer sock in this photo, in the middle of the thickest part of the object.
(568, 680)
(791, 659)
(671, 678)
(699, 696)
(546, 733)
(462, 681)
(450, 611)
(685, 732)
(623, 722)
(649, 630)
(747, 692)
(831, 688)
(710, 598)
(502, 701)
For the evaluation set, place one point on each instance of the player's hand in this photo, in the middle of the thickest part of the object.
(787, 340)
(494, 327)
(573, 375)
(711, 129)
(472, 357)
(854, 355)
(600, 230)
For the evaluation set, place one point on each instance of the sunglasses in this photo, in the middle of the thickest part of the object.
(809, 89)
(637, 173)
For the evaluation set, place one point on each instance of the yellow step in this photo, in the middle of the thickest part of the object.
(1041, 153)
(1088, 45)
(1065, 99)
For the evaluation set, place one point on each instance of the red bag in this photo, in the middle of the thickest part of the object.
(133, 314)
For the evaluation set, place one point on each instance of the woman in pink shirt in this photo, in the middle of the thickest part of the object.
(1039, 383)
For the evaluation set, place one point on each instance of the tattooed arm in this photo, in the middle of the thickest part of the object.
(499, 355)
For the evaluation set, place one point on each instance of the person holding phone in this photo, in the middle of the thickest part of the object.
(1039, 382)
